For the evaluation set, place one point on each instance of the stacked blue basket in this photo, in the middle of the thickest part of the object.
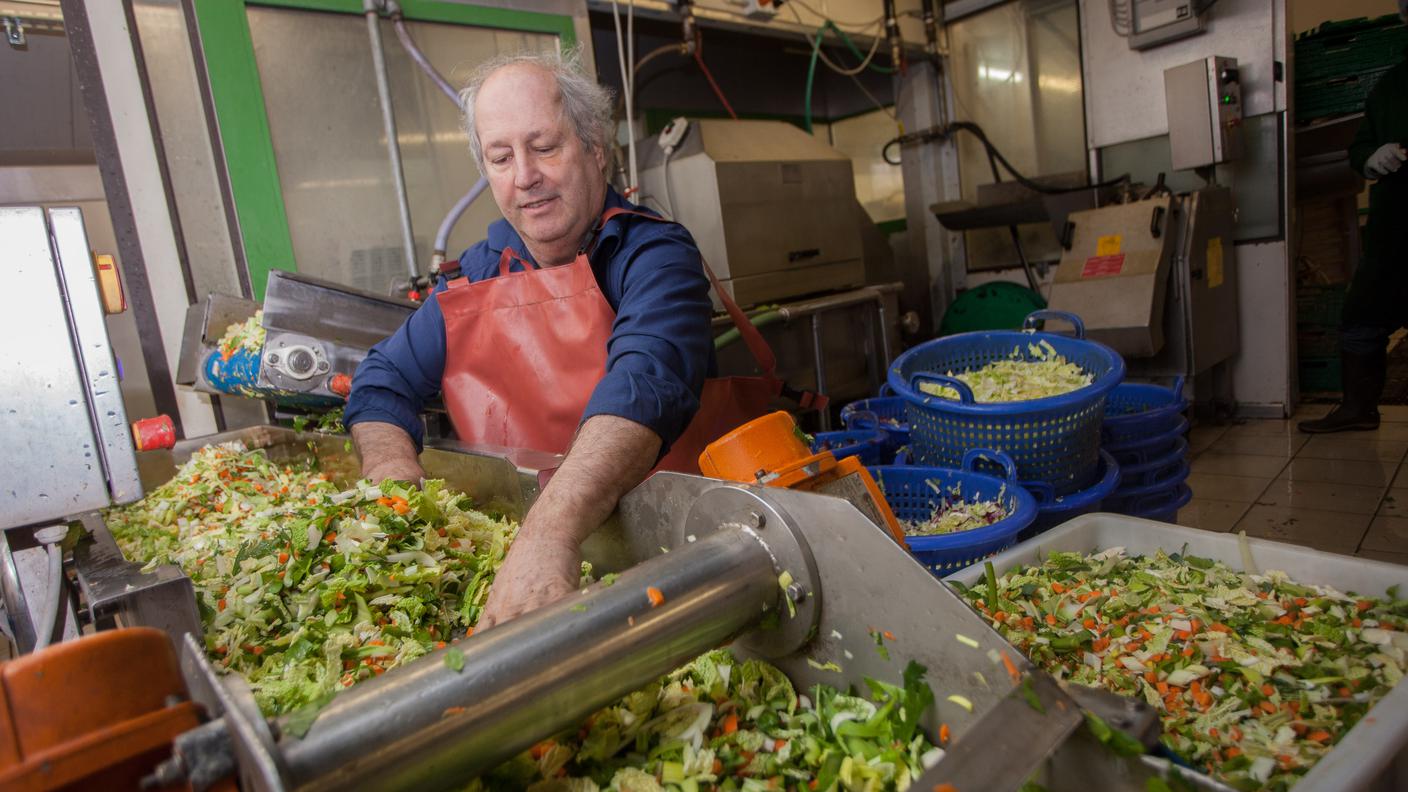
(1054, 441)
(1143, 431)
(866, 444)
(914, 492)
(885, 413)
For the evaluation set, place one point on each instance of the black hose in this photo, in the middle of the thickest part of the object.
(939, 133)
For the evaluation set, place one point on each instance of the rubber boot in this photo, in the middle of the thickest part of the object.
(1363, 378)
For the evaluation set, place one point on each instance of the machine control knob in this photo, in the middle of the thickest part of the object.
(1231, 75)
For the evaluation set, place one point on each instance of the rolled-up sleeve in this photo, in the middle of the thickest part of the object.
(401, 373)
(661, 343)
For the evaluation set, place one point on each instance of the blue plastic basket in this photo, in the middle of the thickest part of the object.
(1161, 506)
(1135, 411)
(1148, 449)
(886, 413)
(1155, 470)
(1055, 440)
(909, 492)
(1169, 478)
(867, 445)
(1053, 509)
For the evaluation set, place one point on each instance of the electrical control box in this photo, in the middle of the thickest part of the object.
(1155, 22)
(1204, 101)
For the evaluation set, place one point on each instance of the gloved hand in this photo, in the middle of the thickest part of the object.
(1388, 159)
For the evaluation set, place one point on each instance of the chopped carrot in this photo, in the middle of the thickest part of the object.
(1088, 624)
(1233, 752)
(258, 650)
(1364, 605)
(1235, 733)
(943, 734)
(401, 507)
(331, 537)
(1058, 588)
(1050, 619)
(1011, 667)
(1268, 707)
(945, 787)
(1162, 687)
(1319, 735)
(889, 636)
(1000, 616)
(656, 598)
(1153, 608)
(730, 724)
(221, 604)
(1187, 651)
(439, 644)
(452, 711)
(539, 749)
(1267, 690)
(1212, 732)
(1301, 602)
(719, 768)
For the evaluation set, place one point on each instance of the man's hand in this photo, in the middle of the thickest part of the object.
(387, 453)
(541, 568)
(609, 457)
(1387, 159)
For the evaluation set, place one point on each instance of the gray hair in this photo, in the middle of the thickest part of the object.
(585, 102)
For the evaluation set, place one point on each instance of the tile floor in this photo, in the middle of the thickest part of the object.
(1345, 493)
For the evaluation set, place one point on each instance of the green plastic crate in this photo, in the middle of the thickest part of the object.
(1320, 375)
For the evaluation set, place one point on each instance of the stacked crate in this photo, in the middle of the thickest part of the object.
(1339, 63)
(1318, 312)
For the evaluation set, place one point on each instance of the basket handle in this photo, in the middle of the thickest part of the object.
(1044, 493)
(1036, 316)
(965, 393)
(885, 390)
(866, 419)
(972, 455)
(902, 456)
(1177, 387)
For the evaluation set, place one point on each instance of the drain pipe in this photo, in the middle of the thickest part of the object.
(372, 10)
(442, 236)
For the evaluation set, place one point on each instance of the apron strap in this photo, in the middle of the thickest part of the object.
(508, 256)
(752, 338)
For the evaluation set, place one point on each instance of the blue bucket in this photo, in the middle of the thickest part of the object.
(911, 495)
(1055, 440)
(1136, 411)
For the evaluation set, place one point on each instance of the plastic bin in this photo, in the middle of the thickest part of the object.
(1372, 755)
(867, 445)
(1055, 440)
(909, 492)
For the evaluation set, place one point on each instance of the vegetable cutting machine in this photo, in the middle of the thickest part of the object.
(801, 579)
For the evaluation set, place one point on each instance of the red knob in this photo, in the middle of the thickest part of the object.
(152, 433)
(341, 384)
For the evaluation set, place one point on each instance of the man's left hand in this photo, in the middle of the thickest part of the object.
(540, 569)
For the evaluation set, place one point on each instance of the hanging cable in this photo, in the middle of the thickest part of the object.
(944, 132)
(699, 59)
(631, 176)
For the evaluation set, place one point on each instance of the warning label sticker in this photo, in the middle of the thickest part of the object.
(1102, 266)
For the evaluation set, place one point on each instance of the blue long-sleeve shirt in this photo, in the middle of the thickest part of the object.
(659, 353)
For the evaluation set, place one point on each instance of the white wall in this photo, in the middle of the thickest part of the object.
(1124, 89)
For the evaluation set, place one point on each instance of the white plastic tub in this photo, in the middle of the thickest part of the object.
(1372, 756)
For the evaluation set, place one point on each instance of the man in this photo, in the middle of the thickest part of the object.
(1377, 302)
(571, 326)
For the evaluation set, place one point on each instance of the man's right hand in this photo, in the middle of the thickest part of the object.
(1387, 159)
(387, 453)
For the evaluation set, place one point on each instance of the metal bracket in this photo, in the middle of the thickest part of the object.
(113, 586)
(230, 698)
(779, 534)
(14, 32)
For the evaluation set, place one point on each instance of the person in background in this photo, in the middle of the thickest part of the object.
(580, 325)
(1377, 302)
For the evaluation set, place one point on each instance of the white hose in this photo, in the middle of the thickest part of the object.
(48, 620)
(442, 236)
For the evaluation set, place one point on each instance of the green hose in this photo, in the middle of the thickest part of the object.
(759, 320)
(811, 68)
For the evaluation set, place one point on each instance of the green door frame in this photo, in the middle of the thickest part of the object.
(242, 117)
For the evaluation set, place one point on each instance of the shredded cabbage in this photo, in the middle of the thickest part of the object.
(248, 334)
(1255, 677)
(304, 588)
(1037, 375)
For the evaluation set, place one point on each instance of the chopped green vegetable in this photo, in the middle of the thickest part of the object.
(1255, 676)
(248, 335)
(609, 579)
(305, 588)
(454, 659)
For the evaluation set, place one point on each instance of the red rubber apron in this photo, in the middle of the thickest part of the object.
(525, 350)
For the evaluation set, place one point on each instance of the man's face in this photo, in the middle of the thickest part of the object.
(547, 184)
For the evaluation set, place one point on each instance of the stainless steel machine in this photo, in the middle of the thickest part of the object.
(738, 187)
(716, 550)
(63, 424)
(1156, 280)
(316, 332)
